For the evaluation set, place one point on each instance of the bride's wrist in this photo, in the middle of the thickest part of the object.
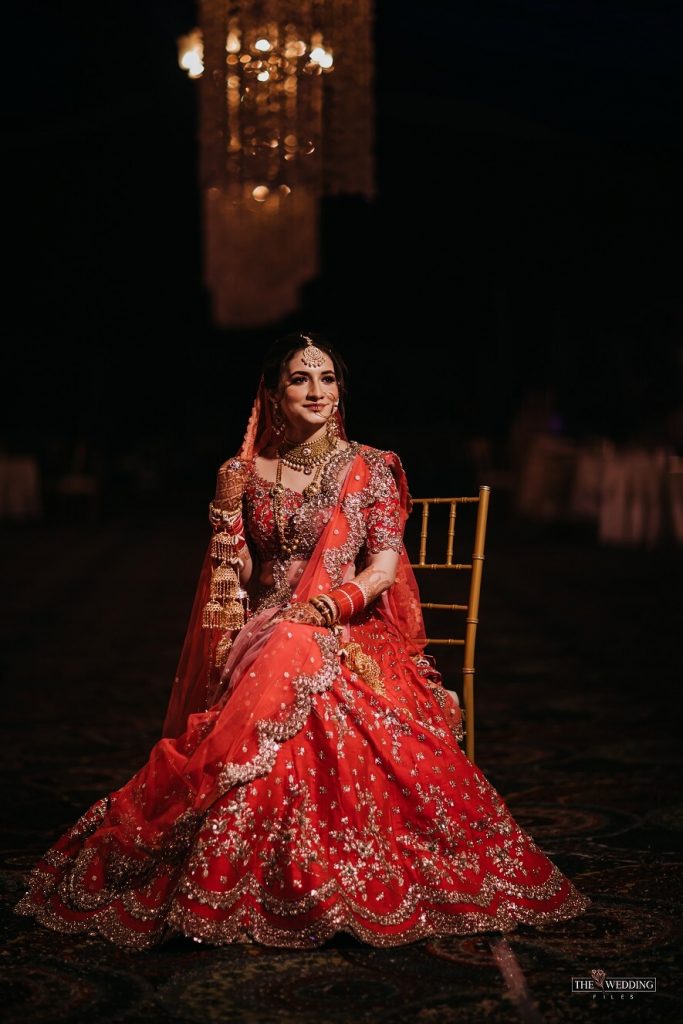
(327, 607)
(229, 519)
(304, 611)
(349, 599)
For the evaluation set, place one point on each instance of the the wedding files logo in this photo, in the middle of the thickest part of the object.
(598, 984)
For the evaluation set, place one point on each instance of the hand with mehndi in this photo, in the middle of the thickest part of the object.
(303, 611)
(230, 485)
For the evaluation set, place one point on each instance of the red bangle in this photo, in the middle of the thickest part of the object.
(232, 529)
(349, 599)
(356, 594)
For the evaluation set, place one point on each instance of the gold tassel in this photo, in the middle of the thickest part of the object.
(222, 650)
(223, 616)
(234, 614)
(224, 609)
(365, 666)
(213, 615)
(223, 545)
(224, 582)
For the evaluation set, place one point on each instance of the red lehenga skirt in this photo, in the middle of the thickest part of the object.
(349, 807)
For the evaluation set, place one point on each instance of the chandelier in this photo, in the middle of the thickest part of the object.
(286, 116)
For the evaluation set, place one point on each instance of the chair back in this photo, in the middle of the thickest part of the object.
(467, 641)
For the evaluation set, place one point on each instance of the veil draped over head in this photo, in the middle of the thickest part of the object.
(196, 679)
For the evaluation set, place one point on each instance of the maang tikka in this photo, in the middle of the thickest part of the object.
(312, 356)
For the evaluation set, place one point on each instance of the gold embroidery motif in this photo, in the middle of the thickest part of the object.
(222, 650)
(365, 666)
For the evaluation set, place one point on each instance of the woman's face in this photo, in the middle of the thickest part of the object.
(307, 395)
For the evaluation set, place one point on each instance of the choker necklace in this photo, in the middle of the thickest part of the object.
(306, 455)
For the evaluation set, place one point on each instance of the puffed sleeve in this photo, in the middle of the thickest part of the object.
(383, 516)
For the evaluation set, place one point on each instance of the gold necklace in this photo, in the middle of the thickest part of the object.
(306, 455)
(289, 548)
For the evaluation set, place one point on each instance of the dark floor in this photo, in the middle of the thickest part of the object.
(578, 682)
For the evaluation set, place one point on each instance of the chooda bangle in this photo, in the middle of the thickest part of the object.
(349, 598)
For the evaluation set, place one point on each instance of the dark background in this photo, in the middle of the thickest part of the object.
(525, 240)
(526, 236)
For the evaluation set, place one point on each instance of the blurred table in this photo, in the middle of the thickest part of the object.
(634, 494)
(632, 497)
(20, 491)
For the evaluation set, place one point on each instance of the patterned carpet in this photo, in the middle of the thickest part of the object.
(578, 678)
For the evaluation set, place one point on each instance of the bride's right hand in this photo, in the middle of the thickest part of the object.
(230, 485)
(302, 611)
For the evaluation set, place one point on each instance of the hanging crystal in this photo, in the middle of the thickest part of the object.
(286, 116)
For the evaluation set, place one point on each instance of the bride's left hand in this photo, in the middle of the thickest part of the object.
(303, 611)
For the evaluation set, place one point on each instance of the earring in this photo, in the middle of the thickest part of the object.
(332, 425)
(278, 421)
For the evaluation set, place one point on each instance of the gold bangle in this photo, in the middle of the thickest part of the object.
(221, 515)
(320, 612)
(331, 604)
(322, 608)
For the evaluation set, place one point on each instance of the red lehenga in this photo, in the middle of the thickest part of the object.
(305, 785)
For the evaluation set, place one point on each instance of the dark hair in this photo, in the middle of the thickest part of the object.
(282, 350)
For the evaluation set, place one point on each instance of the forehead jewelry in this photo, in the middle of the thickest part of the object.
(312, 355)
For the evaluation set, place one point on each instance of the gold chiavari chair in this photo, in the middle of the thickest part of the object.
(468, 641)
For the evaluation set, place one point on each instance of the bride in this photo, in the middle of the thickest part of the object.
(310, 779)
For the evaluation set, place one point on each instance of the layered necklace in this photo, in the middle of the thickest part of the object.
(306, 456)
